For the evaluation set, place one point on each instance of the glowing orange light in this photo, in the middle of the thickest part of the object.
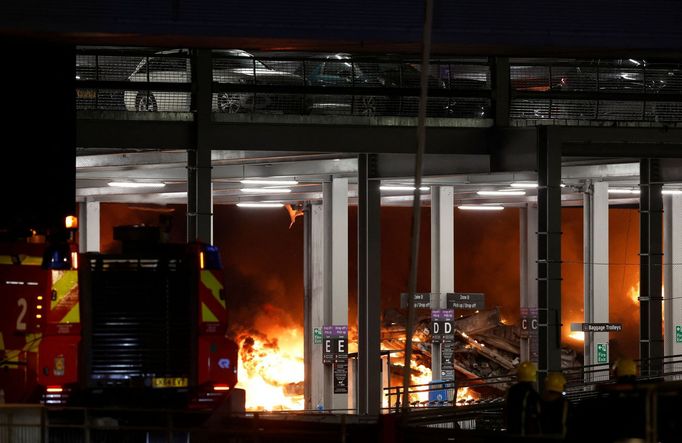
(464, 395)
(221, 388)
(71, 222)
(74, 260)
(577, 335)
(271, 370)
(201, 260)
(633, 293)
(54, 389)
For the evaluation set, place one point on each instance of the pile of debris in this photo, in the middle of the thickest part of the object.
(486, 349)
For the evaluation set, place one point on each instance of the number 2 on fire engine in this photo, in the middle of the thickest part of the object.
(21, 326)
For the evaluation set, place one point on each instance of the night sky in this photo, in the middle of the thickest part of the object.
(263, 261)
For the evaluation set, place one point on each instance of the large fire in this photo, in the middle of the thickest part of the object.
(271, 370)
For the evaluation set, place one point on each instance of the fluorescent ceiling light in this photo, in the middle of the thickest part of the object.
(402, 188)
(136, 185)
(524, 185)
(260, 205)
(501, 193)
(269, 182)
(623, 191)
(671, 191)
(173, 194)
(481, 207)
(266, 190)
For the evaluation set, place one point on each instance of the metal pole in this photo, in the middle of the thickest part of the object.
(416, 206)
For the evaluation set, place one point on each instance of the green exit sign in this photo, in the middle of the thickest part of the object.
(602, 353)
(678, 334)
(317, 336)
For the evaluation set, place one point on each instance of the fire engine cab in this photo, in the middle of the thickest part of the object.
(144, 326)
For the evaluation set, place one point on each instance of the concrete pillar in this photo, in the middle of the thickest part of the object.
(89, 227)
(368, 392)
(672, 278)
(650, 272)
(442, 258)
(326, 300)
(549, 253)
(199, 188)
(314, 298)
(596, 272)
(335, 196)
(528, 268)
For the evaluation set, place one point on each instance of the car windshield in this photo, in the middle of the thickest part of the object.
(239, 63)
(162, 64)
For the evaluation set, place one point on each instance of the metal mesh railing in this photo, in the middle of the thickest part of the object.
(556, 90)
(129, 80)
(618, 90)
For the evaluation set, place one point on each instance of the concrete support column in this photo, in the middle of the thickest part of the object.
(199, 188)
(335, 196)
(326, 288)
(89, 227)
(549, 253)
(442, 258)
(650, 272)
(596, 273)
(528, 267)
(672, 277)
(368, 393)
(314, 304)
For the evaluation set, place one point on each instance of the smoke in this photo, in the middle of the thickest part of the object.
(487, 258)
(169, 217)
(263, 262)
(623, 277)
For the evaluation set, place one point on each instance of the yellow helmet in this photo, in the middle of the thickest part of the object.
(555, 381)
(625, 367)
(527, 371)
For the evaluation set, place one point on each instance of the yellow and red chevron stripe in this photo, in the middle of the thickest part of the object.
(64, 298)
(14, 356)
(212, 305)
(21, 259)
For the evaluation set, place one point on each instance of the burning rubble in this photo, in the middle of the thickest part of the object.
(271, 366)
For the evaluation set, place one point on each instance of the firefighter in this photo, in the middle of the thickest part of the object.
(522, 405)
(554, 405)
(623, 404)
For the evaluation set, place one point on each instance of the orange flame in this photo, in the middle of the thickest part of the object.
(633, 293)
(465, 395)
(271, 372)
(577, 335)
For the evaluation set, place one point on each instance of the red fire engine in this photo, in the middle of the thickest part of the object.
(145, 326)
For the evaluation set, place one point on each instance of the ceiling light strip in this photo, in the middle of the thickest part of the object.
(269, 182)
(481, 207)
(136, 185)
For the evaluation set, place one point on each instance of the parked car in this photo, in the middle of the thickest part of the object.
(344, 71)
(91, 67)
(626, 76)
(232, 66)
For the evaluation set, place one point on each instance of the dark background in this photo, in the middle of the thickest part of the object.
(38, 134)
